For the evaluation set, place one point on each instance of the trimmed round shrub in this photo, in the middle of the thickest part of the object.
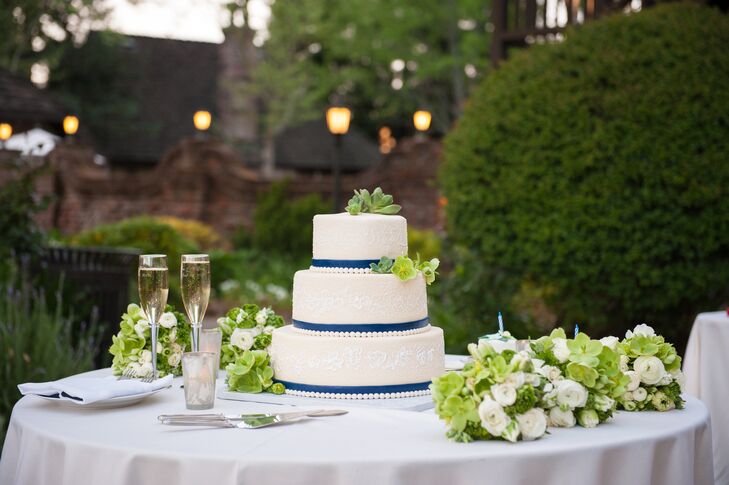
(586, 181)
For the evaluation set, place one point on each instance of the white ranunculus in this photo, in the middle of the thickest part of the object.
(650, 369)
(627, 396)
(140, 327)
(642, 329)
(571, 394)
(172, 334)
(493, 418)
(532, 379)
(548, 388)
(504, 394)
(145, 369)
(634, 380)
(515, 379)
(640, 394)
(551, 372)
(561, 419)
(174, 359)
(168, 320)
(603, 403)
(521, 360)
(532, 424)
(145, 356)
(177, 348)
(241, 338)
(262, 316)
(550, 397)
(511, 433)
(269, 329)
(629, 405)
(665, 380)
(610, 342)
(561, 352)
(588, 418)
(624, 361)
(679, 377)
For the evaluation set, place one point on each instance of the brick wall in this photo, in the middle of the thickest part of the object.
(205, 180)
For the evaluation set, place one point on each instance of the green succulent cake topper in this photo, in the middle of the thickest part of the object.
(375, 203)
(406, 269)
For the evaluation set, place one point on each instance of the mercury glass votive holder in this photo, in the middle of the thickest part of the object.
(211, 339)
(198, 373)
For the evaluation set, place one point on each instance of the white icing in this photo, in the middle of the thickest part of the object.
(343, 298)
(381, 395)
(364, 236)
(345, 361)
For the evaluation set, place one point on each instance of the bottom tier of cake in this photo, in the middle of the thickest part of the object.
(357, 367)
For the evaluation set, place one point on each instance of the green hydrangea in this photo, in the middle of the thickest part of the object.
(251, 372)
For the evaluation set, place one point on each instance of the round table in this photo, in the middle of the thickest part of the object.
(705, 367)
(49, 443)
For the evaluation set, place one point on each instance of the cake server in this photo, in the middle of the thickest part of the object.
(247, 421)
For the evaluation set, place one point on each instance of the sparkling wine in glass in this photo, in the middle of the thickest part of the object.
(195, 281)
(153, 289)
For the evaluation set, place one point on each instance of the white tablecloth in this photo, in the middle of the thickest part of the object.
(706, 365)
(47, 443)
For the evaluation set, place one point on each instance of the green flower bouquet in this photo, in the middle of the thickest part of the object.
(132, 346)
(584, 379)
(246, 336)
(494, 397)
(654, 370)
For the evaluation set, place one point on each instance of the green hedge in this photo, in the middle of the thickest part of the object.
(586, 181)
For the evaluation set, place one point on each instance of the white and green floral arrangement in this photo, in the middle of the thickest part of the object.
(244, 356)
(132, 346)
(375, 203)
(584, 379)
(495, 397)
(654, 370)
(406, 268)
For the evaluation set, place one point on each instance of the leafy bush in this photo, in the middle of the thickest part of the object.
(423, 242)
(37, 344)
(285, 225)
(204, 236)
(592, 175)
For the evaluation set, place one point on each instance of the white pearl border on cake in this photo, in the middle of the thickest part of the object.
(340, 270)
(382, 395)
(400, 333)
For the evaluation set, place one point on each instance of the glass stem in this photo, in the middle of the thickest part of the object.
(196, 336)
(153, 330)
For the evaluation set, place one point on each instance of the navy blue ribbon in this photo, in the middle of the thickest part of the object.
(361, 327)
(343, 263)
(294, 386)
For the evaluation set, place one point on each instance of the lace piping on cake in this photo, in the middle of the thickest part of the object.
(386, 395)
(320, 333)
(340, 270)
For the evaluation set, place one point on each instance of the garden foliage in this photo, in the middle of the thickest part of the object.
(589, 177)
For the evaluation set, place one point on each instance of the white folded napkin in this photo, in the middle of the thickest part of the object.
(87, 390)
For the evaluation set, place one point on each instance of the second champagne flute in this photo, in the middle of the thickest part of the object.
(195, 282)
(153, 290)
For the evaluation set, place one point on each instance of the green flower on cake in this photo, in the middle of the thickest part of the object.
(405, 268)
(375, 203)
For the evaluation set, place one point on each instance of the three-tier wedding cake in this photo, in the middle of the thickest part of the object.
(355, 333)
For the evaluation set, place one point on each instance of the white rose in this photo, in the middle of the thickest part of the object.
(610, 342)
(561, 419)
(551, 372)
(634, 380)
(624, 361)
(504, 394)
(241, 338)
(650, 369)
(168, 320)
(262, 316)
(532, 424)
(515, 379)
(493, 418)
(561, 352)
(140, 327)
(174, 359)
(642, 329)
(640, 394)
(571, 394)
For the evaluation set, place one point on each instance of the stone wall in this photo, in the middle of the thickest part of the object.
(205, 180)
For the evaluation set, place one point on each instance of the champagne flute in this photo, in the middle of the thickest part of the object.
(153, 289)
(195, 281)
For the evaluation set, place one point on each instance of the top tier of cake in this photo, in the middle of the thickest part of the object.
(344, 239)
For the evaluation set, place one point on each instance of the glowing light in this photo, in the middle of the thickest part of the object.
(338, 120)
(6, 131)
(202, 120)
(70, 125)
(421, 120)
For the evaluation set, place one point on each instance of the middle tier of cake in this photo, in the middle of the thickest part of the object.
(346, 302)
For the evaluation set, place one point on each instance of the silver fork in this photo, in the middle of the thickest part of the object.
(128, 375)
